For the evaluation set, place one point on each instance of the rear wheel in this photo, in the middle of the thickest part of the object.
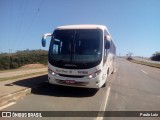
(113, 70)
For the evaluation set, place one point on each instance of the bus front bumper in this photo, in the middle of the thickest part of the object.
(75, 82)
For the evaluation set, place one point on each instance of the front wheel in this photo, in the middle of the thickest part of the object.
(104, 85)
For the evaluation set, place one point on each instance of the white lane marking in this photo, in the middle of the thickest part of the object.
(104, 105)
(5, 106)
(144, 72)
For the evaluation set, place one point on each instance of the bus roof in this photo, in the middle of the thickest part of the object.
(83, 26)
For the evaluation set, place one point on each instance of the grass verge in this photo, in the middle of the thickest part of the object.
(146, 63)
(21, 76)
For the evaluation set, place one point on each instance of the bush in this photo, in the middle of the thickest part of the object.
(4, 62)
(156, 56)
(15, 60)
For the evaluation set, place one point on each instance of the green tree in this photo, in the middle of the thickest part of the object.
(15, 60)
(156, 56)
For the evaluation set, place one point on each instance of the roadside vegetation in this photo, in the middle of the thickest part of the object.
(145, 63)
(21, 58)
(155, 57)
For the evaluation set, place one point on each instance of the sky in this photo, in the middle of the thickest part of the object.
(133, 24)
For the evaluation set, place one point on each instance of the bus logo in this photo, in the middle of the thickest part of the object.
(70, 65)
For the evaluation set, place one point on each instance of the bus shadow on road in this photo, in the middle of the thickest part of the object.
(40, 86)
(63, 91)
(30, 82)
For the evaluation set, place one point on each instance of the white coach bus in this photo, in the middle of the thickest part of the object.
(80, 56)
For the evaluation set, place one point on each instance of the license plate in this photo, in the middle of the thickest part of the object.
(70, 81)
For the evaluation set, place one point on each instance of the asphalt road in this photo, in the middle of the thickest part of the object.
(132, 87)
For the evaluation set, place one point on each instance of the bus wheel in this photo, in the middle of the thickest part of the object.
(104, 85)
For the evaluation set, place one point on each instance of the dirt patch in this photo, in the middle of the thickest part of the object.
(33, 66)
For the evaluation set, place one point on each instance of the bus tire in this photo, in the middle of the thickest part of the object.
(104, 85)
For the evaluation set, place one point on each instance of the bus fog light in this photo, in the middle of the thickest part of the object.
(94, 74)
(51, 72)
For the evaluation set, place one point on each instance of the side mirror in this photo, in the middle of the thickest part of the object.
(44, 37)
(43, 42)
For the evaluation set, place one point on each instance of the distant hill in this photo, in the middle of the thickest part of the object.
(20, 58)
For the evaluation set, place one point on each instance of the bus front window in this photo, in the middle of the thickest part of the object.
(76, 46)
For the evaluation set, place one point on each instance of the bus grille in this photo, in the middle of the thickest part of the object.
(73, 76)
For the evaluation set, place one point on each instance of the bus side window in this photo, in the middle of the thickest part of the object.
(105, 50)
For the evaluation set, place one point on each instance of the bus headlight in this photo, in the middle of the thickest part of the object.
(93, 75)
(51, 72)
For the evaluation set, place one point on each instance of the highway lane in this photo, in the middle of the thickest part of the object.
(133, 87)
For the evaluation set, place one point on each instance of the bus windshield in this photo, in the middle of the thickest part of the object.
(76, 46)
